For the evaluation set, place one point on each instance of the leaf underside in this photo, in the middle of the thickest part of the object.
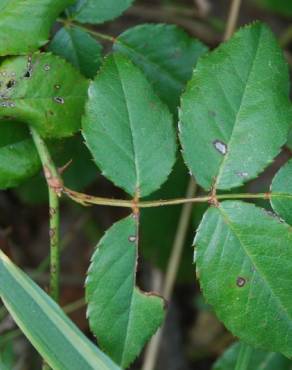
(120, 315)
(127, 129)
(244, 263)
(235, 114)
(44, 91)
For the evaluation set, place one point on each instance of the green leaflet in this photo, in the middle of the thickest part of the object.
(244, 263)
(235, 113)
(165, 53)
(52, 333)
(281, 192)
(25, 25)
(19, 159)
(78, 48)
(44, 91)
(99, 11)
(259, 360)
(127, 129)
(120, 315)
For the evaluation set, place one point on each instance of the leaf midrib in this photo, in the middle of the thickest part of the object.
(134, 146)
(222, 164)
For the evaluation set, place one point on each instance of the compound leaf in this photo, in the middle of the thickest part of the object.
(127, 129)
(120, 315)
(281, 192)
(99, 11)
(44, 91)
(50, 331)
(19, 159)
(235, 114)
(243, 258)
(78, 48)
(165, 53)
(25, 25)
(259, 360)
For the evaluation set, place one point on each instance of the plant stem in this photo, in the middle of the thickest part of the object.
(102, 36)
(86, 199)
(171, 273)
(244, 357)
(55, 186)
(54, 245)
(232, 18)
(175, 257)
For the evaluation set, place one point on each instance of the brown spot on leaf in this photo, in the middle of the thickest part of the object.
(240, 281)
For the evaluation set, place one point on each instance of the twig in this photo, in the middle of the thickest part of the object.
(171, 273)
(87, 200)
(102, 36)
(232, 18)
(199, 27)
(55, 187)
(203, 7)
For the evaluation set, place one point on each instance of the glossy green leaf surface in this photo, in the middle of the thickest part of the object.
(165, 53)
(25, 25)
(120, 315)
(281, 192)
(99, 11)
(18, 157)
(51, 332)
(128, 129)
(78, 48)
(244, 264)
(260, 360)
(45, 91)
(235, 113)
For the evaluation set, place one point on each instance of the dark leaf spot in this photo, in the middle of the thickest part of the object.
(240, 281)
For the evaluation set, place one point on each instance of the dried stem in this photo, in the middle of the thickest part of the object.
(171, 273)
(232, 18)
